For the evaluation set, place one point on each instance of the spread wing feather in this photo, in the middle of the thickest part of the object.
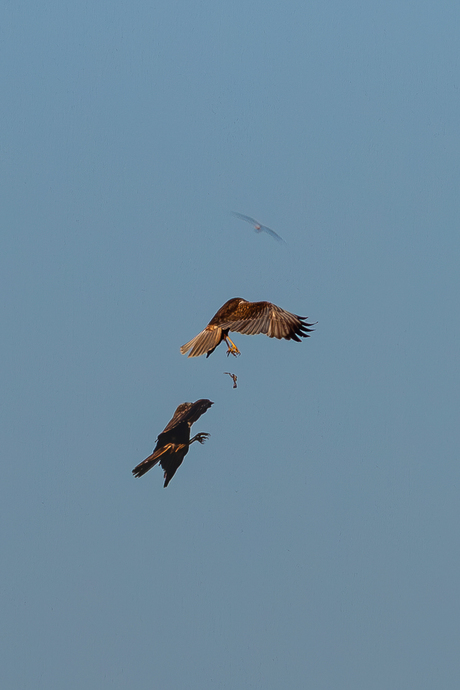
(252, 318)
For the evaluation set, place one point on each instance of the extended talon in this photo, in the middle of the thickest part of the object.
(202, 437)
(233, 351)
(232, 348)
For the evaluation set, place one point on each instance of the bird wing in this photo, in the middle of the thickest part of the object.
(248, 219)
(272, 233)
(188, 413)
(179, 415)
(252, 318)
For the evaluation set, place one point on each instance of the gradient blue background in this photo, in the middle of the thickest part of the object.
(313, 542)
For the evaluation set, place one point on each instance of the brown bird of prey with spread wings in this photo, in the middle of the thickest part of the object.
(250, 318)
(173, 443)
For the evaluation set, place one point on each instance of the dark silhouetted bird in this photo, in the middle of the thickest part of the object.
(258, 227)
(250, 318)
(173, 443)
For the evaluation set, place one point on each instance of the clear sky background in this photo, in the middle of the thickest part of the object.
(313, 541)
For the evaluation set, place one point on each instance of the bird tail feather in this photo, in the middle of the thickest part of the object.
(151, 461)
(205, 341)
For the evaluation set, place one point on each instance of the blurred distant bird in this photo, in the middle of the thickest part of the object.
(234, 378)
(173, 443)
(250, 318)
(258, 227)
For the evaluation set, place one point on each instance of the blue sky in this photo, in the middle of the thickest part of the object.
(313, 541)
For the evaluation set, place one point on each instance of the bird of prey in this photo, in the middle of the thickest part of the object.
(234, 378)
(258, 227)
(250, 318)
(174, 441)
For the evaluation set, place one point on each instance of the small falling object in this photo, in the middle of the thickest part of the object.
(258, 227)
(234, 377)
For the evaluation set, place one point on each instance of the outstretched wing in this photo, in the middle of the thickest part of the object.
(252, 318)
(272, 233)
(258, 227)
(248, 219)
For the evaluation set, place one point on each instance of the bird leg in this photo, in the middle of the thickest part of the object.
(232, 348)
(201, 438)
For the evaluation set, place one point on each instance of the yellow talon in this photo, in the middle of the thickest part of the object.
(232, 348)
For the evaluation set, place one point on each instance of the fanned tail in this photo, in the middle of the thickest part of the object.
(204, 342)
